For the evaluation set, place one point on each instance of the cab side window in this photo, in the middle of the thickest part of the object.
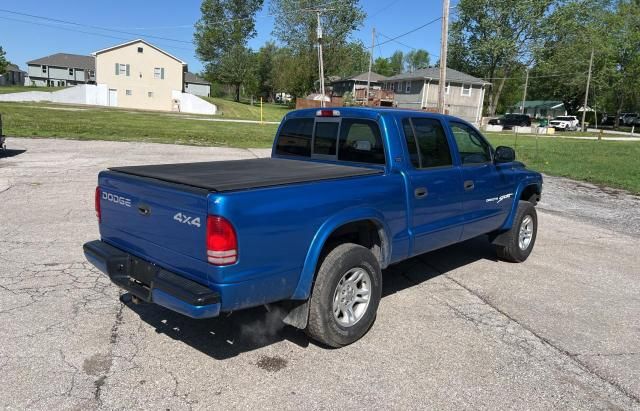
(473, 148)
(427, 142)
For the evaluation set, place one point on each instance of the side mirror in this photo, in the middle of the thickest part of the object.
(505, 154)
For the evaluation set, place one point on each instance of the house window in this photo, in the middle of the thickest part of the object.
(44, 69)
(407, 87)
(397, 86)
(140, 49)
(150, 93)
(71, 72)
(122, 69)
(447, 88)
(158, 73)
(128, 92)
(466, 90)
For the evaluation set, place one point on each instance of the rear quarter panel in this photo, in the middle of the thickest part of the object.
(281, 228)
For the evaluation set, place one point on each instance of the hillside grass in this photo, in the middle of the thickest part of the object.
(93, 123)
(245, 111)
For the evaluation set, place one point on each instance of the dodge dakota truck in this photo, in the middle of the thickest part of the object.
(346, 193)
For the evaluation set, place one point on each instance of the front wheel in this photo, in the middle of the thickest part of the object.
(345, 296)
(519, 241)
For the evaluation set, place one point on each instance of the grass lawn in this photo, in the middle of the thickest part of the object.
(245, 111)
(92, 123)
(610, 163)
(21, 89)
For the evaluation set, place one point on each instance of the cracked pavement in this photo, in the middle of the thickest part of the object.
(455, 329)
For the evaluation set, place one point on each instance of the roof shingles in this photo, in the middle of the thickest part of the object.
(66, 60)
(433, 73)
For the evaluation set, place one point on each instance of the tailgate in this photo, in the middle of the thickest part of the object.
(163, 223)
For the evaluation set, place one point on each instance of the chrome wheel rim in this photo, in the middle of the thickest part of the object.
(352, 296)
(526, 232)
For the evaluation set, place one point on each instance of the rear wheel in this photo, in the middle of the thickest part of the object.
(345, 296)
(519, 241)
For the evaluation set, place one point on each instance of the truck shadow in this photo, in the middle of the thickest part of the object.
(11, 153)
(247, 330)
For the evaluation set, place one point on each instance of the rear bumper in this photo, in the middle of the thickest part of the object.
(152, 283)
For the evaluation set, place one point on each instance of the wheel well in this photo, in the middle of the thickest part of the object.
(366, 233)
(531, 194)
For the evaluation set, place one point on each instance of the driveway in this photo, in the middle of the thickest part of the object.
(456, 328)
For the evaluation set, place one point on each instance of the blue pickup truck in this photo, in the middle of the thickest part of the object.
(346, 193)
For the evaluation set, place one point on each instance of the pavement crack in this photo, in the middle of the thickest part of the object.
(113, 339)
(572, 356)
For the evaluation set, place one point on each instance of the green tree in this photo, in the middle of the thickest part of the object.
(396, 61)
(3, 61)
(416, 59)
(296, 28)
(381, 65)
(265, 60)
(571, 32)
(354, 59)
(489, 38)
(221, 37)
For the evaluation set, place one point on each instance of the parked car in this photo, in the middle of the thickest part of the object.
(344, 195)
(565, 123)
(510, 120)
(628, 119)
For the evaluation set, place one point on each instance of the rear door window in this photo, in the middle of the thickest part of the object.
(295, 137)
(426, 137)
(360, 142)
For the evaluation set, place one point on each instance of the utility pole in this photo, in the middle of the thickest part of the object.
(524, 96)
(586, 93)
(373, 41)
(443, 55)
(320, 62)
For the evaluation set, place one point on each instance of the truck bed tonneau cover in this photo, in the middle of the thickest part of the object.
(222, 176)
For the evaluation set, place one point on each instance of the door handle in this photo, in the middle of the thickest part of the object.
(469, 185)
(420, 192)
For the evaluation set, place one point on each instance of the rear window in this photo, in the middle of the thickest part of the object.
(355, 140)
(360, 142)
(325, 141)
(295, 137)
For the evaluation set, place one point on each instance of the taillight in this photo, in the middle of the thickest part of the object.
(222, 243)
(97, 204)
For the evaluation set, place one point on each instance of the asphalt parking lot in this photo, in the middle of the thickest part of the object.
(456, 328)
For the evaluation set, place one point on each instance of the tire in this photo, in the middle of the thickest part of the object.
(512, 249)
(345, 262)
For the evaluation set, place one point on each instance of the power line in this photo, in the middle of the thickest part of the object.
(375, 13)
(92, 26)
(411, 31)
(396, 41)
(84, 32)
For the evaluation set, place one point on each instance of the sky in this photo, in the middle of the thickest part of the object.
(169, 25)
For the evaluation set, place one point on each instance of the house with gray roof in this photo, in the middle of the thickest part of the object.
(353, 83)
(464, 94)
(196, 85)
(62, 69)
(12, 76)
